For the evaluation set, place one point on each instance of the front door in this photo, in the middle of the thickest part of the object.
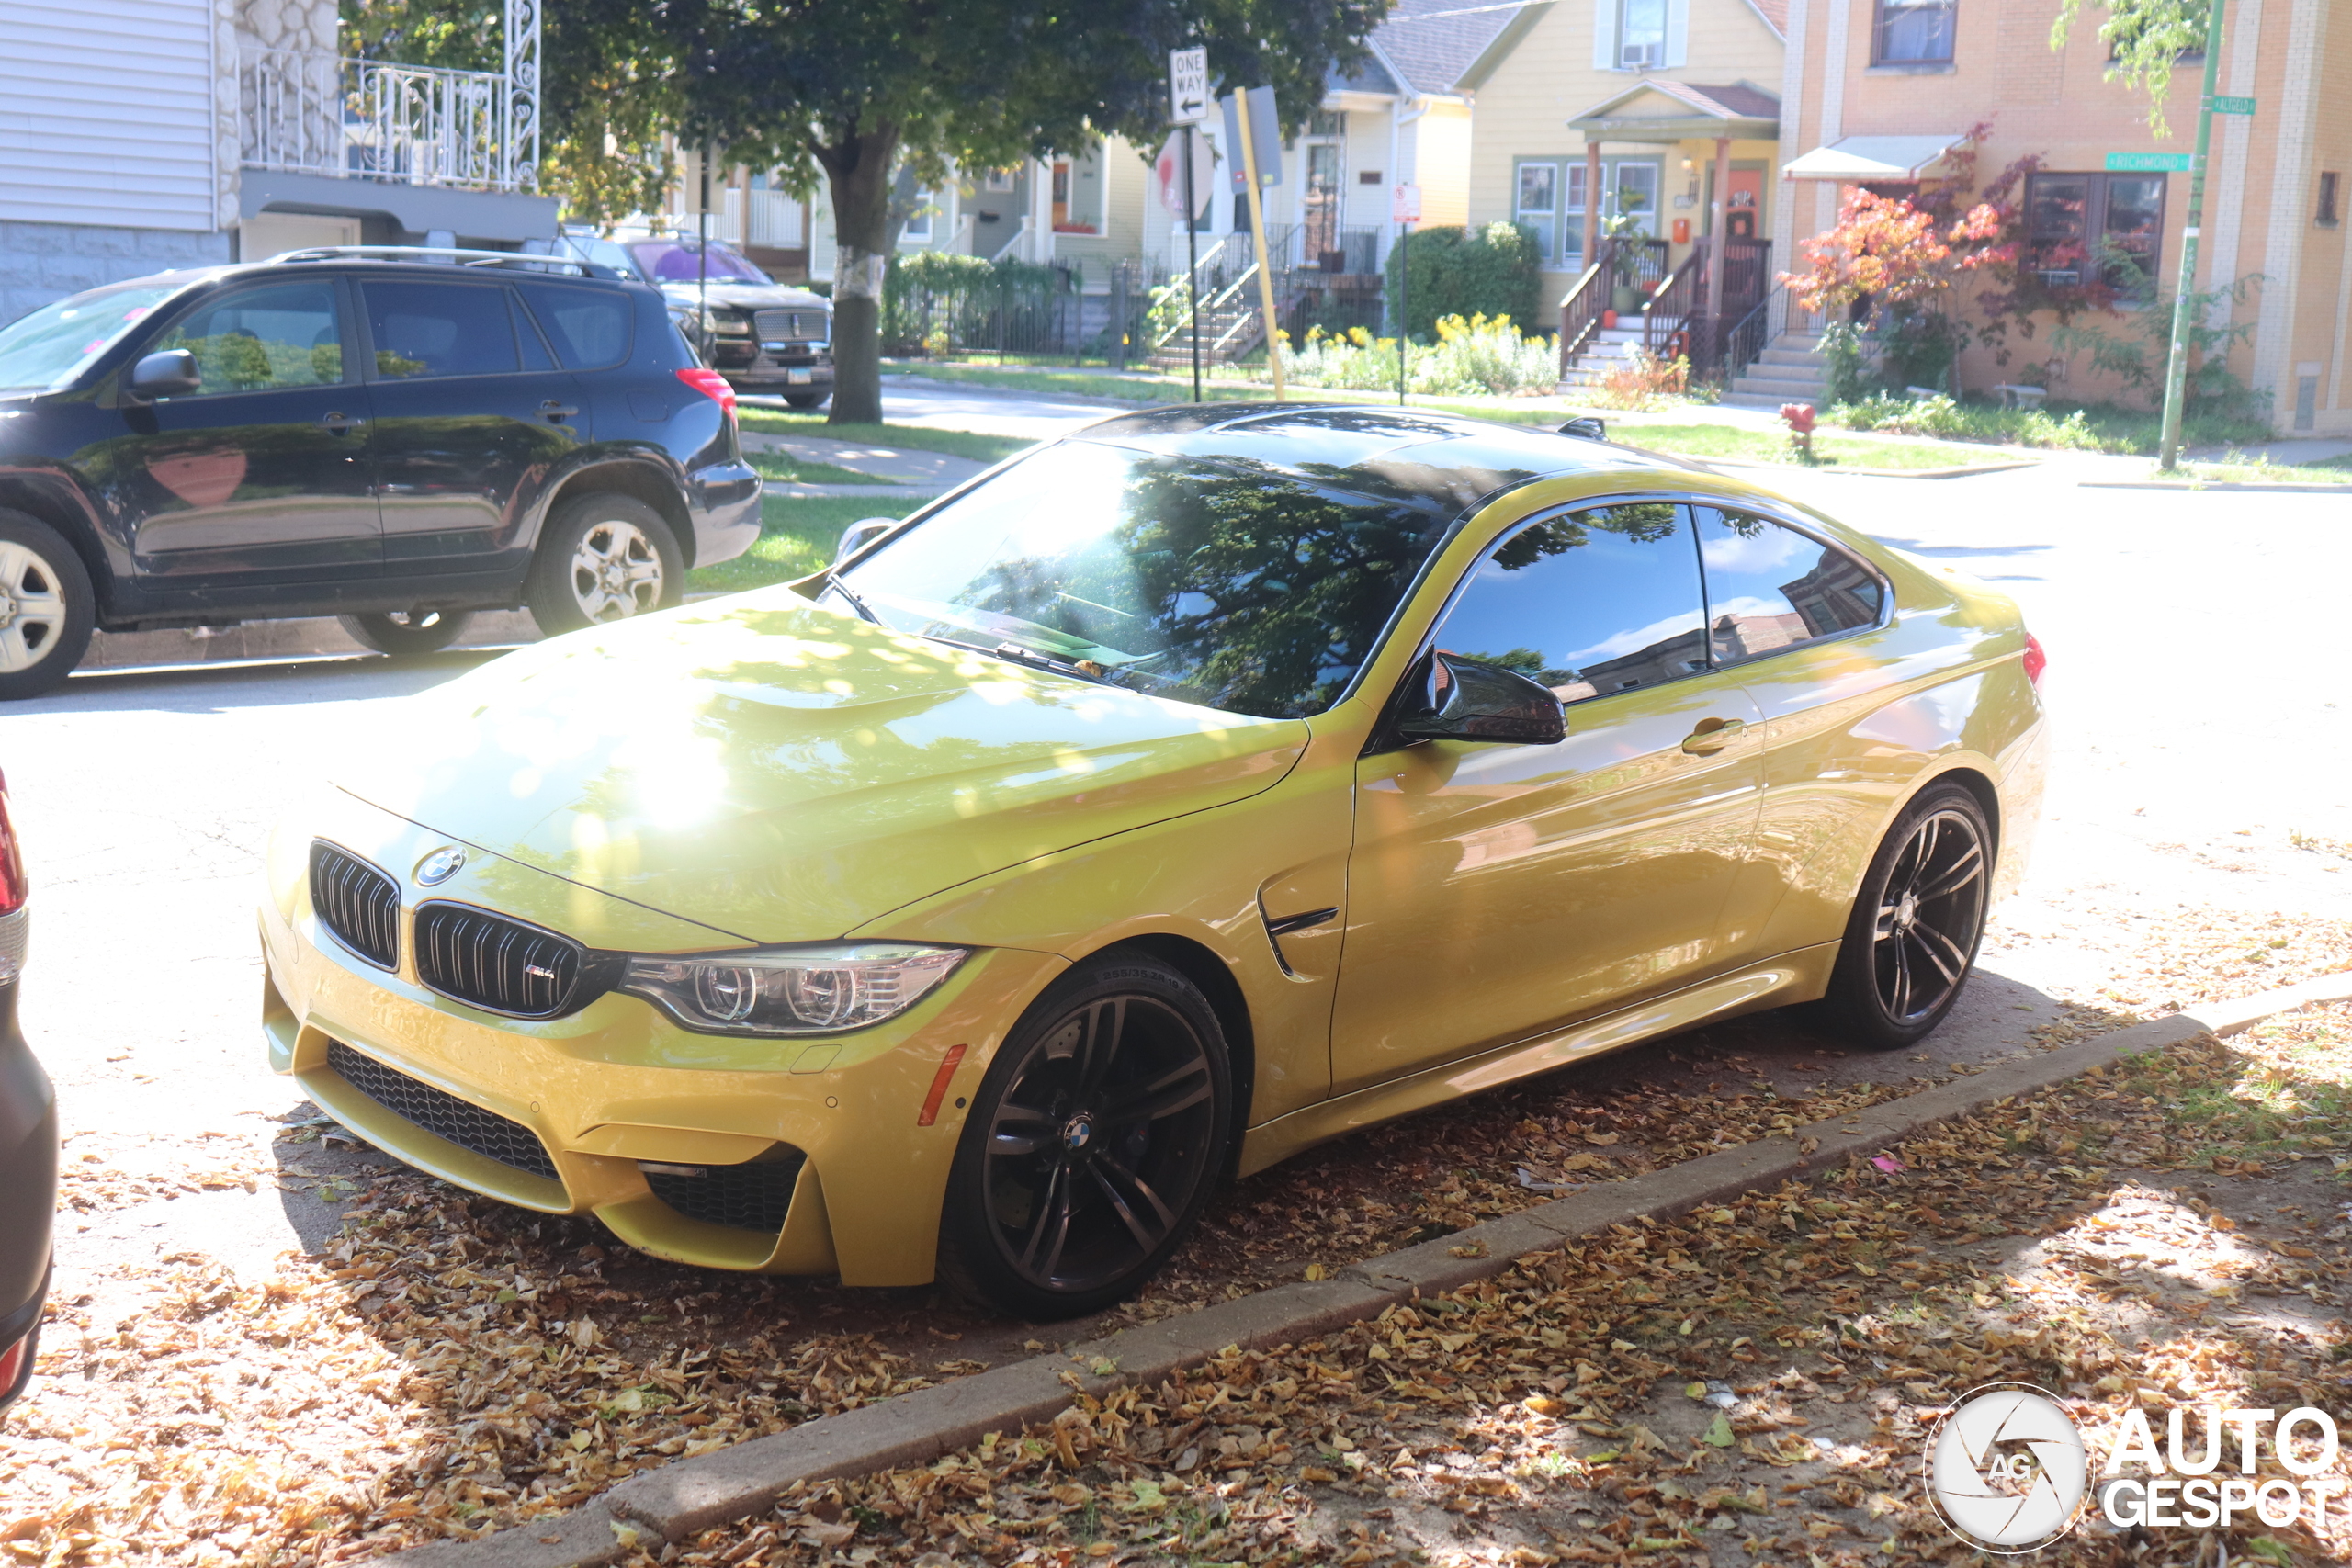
(471, 416)
(1495, 891)
(262, 475)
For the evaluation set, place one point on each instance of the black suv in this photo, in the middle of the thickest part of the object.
(398, 437)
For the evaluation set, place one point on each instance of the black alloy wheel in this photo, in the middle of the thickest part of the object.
(1911, 943)
(1092, 1146)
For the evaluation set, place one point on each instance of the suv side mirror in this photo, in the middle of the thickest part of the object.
(1585, 428)
(170, 374)
(860, 534)
(1464, 699)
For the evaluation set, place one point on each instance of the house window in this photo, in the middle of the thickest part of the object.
(1538, 207)
(2329, 182)
(1326, 122)
(919, 204)
(2083, 229)
(1640, 34)
(1916, 31)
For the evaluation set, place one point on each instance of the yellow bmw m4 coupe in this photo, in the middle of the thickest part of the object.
(1172, 797)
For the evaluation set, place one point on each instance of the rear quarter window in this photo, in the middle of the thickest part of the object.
(591, 328)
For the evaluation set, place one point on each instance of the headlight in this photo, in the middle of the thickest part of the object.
(791, 991)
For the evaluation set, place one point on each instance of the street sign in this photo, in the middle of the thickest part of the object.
(2230, 106)
(2147, 162)
(1263, 129)
(1188, 86)
(1168, 172)
(1405, 205)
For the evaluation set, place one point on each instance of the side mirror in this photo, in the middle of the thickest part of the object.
(1585, 428)
(170, 374)
(1462, 699)
(858, 535)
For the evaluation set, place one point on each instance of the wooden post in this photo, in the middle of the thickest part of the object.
(1258, 233)
(1718, 221)
(1591, 200)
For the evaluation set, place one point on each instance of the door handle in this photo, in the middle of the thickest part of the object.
(337, 422)
(1712, 735)
(558, 412)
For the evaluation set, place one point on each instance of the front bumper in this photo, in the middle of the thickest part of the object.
(723, 499)
(616, 1084)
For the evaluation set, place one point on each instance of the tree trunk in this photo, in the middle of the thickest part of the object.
(859, 173)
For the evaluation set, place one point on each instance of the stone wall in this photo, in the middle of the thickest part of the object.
(42, 262)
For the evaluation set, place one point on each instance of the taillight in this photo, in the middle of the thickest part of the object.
(2036, 661)
(711, 385)
(12, 1362)
(12, 869)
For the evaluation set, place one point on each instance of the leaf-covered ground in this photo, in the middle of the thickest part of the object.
(440, 1365)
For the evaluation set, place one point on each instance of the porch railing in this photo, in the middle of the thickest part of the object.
(1584, 304)
(1673, 306)
(376, 119)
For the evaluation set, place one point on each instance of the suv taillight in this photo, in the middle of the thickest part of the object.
(2036, 661)
(711, 385)
(12, 860)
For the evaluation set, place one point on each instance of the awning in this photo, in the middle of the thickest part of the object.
(1857, 159)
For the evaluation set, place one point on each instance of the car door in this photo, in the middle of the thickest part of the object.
(261, 475)
(472, 416)
(1797, 620)
(1497, 890)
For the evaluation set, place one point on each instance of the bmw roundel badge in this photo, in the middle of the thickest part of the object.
(440, 866)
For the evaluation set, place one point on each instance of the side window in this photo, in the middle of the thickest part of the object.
(439, 329)
(1595, 602)
(590, 327)
(262, 339)
(1769, 587)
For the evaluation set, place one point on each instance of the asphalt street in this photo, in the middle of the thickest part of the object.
(2204, 724)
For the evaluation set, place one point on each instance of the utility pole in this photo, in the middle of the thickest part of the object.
(2176, 364)
(1258, 233)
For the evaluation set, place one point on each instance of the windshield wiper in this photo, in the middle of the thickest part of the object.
(846, 591)
(1084, 670)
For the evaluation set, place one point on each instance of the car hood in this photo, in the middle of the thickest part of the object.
(788, 773)
(748, 296)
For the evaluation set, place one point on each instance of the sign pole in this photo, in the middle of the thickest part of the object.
(1404, 272)
(1192, 258)
(2176, 364)
(1258, 235)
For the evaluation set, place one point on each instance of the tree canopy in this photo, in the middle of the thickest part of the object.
(2145, 39)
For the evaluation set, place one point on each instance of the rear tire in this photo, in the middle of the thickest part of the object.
(1910, 945)
(1096, 1138)
(398, 632)
(48, 608)
(603, 557)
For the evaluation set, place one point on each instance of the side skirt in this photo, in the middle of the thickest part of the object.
(1801, 975)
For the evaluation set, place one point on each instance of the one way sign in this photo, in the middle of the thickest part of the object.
(1188, 85)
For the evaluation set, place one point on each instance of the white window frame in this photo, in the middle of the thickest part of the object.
(1545, 222)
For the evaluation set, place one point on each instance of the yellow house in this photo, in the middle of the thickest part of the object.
(1654, 111)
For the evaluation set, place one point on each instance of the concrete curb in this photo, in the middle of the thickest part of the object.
(1964, 471)
(2320, 489)
(680, 1499)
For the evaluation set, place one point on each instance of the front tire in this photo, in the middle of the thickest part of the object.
(398, 632)
(603, 557)
(1911, 942)
(1092, 1146)
(807, 400)
(48, 608)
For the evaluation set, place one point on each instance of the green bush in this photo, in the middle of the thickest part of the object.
(1453, 271)
(1471, 356)
(2077, 428)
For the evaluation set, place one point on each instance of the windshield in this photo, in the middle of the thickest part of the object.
(1231, 583)
(673, 261)
(50, 348)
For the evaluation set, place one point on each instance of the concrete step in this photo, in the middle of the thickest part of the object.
(1776, 387)
(1790, 357)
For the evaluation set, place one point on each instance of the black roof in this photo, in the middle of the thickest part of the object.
(1374, 448)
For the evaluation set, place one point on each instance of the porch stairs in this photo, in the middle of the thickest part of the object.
(1606, 350)
(1790, 371)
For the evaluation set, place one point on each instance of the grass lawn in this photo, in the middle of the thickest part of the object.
(785, 469)
(797, 537)
(920, 438)
(1741, 442)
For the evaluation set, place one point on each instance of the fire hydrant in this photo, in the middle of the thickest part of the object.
(1799, 418)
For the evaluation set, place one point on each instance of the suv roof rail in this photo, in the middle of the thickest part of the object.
(448, 256)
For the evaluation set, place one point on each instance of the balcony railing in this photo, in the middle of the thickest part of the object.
(375, 119)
